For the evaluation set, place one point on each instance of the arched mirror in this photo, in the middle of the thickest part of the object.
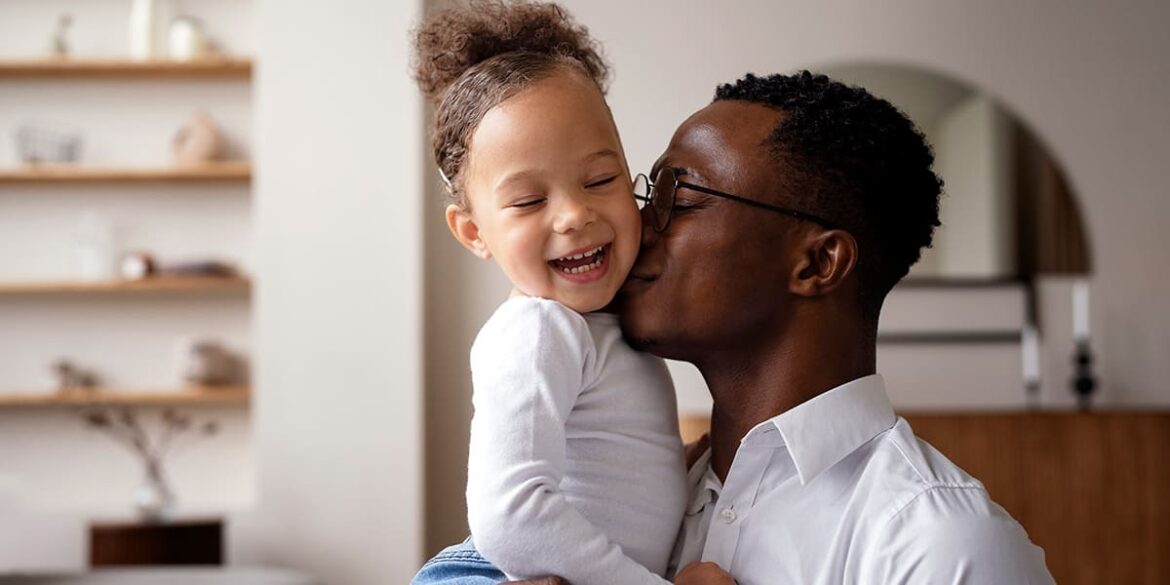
(1008, 211)
(1010, 219)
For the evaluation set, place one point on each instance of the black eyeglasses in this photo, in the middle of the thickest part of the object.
(659, 195)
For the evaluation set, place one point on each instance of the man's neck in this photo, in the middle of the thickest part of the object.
(749, 387)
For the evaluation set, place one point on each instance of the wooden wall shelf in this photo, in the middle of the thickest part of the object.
(157, 285)
(196, 396)
(63, 173)
(123, 69)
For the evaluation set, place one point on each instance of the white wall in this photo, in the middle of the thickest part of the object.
(1090, 77)
(338, 322)
(47, 453)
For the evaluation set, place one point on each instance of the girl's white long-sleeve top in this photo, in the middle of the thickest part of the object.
(576, 467)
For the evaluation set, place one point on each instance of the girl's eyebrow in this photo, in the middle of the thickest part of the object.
(517, 177)
(521, 176)
(605, 152)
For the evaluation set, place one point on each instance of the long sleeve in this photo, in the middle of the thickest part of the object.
(530, 364)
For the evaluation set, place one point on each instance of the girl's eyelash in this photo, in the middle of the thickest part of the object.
(602, 182)
(528, 203)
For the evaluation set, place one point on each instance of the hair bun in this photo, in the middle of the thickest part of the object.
(451, 41)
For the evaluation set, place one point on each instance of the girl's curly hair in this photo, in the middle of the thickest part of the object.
(472, 57)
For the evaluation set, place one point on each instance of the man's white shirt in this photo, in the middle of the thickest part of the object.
(839, 490)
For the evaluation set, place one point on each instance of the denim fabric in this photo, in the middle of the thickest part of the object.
(460, 564)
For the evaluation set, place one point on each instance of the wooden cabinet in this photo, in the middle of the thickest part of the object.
(1091, 489)
(196, 542)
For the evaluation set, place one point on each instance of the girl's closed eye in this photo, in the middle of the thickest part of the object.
(527, 203)
(602, 182)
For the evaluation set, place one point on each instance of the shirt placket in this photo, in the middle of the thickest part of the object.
(734, 504)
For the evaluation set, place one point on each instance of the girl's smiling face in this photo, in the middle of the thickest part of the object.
(549, 194)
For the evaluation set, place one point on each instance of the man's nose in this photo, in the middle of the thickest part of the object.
(574, 213)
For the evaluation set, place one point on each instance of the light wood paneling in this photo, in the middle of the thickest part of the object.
(1091, 489)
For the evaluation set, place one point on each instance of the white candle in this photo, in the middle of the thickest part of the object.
(1030, 344)
(1081, 310)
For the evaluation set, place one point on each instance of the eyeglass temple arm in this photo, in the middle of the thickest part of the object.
(759, 204)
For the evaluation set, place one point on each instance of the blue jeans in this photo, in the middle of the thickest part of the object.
(460, 564)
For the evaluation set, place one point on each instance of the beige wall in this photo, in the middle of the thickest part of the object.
(1090, 77)
(338, 413)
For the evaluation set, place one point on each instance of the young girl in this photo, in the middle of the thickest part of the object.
(575, 466)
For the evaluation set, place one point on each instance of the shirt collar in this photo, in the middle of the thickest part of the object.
(704, 484)
(822, 431)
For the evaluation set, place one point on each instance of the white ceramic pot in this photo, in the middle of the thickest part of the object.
(186, 39)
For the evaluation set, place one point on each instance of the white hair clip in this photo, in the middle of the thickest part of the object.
(446, 181)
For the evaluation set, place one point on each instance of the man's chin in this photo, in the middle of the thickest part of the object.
(640, 343)
(630, 331)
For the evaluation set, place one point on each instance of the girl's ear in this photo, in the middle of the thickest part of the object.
(464, 228)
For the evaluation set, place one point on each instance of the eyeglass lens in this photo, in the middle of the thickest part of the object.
(660, 195)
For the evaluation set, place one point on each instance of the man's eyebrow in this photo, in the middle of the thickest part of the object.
(687, 172)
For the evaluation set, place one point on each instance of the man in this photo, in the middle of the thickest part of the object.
(780, 216)
(778, 219)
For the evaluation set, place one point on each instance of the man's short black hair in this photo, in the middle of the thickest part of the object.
(856, 160)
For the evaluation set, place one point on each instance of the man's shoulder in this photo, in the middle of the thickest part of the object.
(899, 468)
(930, 520)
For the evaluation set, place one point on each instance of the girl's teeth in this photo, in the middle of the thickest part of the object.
(578, 270)
(584, 255)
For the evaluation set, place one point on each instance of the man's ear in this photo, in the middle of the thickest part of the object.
(827, 259)
(464, 228)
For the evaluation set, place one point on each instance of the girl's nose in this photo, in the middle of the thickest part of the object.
(573, 214)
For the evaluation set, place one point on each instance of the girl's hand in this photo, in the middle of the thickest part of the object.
(703, 574)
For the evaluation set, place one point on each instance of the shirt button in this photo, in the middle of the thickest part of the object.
(728, 515)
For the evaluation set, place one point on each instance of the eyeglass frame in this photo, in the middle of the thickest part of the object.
(649, 198)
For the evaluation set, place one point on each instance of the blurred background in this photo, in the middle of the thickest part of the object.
(233, 323)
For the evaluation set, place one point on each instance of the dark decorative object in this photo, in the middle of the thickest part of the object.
(59, 43)
(175, 543)
(211, 268)
(137, 266)
(206, 362)
(1084, 382)
(72, 378)
(154, 500)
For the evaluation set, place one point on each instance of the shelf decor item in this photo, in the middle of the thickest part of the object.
(137, 266)
(59, 42)
(205, 362)
(94, 248)
(70, 378)
(1084, 382)
(187, 39)
(40, 143)
(198, 141)
(154, 500)
(143, 19)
